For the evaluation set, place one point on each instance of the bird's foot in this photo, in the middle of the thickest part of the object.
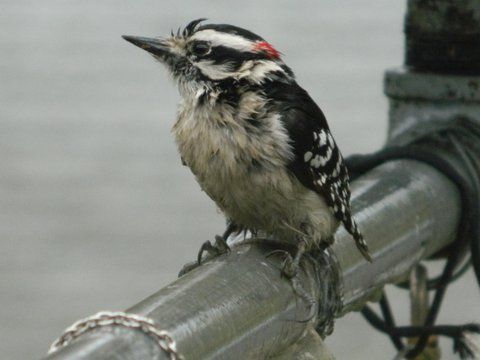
(290, 270)
(291, 264)
(289, 267)
(218, 248)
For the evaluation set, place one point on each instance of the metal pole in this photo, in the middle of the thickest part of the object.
(238, 306)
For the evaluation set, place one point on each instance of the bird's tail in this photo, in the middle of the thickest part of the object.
(362, 246)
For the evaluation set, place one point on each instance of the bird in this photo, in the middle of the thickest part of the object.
(257, 143)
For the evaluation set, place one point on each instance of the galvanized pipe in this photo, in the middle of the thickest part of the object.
(238, 306)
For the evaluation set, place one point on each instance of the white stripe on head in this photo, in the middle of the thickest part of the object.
(214, 71)
(218, 38)
(255, 70)
(261, 69)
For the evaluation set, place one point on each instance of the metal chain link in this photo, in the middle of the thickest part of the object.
(107, 318)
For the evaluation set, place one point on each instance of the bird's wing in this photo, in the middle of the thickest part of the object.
(318, 162)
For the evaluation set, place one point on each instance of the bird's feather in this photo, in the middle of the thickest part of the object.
(318, 163)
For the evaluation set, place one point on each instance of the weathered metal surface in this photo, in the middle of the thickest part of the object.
(443, 36)
(401, 83)
(309, 347)
(401, 208)
(238, 306)
(422, 102)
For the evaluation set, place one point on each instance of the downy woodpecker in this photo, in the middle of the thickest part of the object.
(257, 143)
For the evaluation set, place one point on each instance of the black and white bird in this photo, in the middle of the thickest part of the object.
(257, 143)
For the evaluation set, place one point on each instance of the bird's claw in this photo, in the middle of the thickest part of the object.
(289, 270)
(275, 252)
(187, 268)
(220, 247)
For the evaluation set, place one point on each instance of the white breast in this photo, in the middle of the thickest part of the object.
(243, 167)
(219, 137)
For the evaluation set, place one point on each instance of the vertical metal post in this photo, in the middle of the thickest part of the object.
(419, 305)
(441, 77)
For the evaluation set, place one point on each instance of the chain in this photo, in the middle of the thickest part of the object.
(107, 318)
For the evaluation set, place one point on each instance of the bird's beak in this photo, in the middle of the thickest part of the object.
(156, 47)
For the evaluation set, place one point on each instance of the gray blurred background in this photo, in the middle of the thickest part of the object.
(96, 211)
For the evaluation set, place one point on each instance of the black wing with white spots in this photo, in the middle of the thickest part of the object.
(318, 163)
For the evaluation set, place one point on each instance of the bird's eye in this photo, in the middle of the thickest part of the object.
(200, 48)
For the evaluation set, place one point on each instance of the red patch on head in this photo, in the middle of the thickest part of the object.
(268, 48)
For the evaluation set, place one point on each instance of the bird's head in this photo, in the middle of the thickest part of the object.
(215, 55)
